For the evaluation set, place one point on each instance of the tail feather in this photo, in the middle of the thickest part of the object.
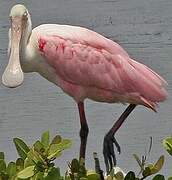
(151, 84)
(156, 78)
(151, 105)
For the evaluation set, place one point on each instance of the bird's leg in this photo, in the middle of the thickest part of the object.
(109, 139)
(83, 131)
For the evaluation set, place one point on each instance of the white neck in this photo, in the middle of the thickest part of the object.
(25, 40)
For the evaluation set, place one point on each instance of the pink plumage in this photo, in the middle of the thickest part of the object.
(92, 66)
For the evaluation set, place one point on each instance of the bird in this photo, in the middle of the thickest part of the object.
(85, 65)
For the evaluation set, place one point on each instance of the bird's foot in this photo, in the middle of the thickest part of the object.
(108, 151)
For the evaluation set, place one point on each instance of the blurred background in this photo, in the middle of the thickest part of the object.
(144, 29)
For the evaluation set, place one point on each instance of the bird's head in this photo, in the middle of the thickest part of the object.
(19, 33)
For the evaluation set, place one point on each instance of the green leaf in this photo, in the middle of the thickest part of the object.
(170, 178)
(74, 166)
(34, 156)
(130, 176)
(2, 165)
(45, 138)
(2, 156)
(28, 162)
(27, 172)
(54, 174)
(153, 168)
(39, 147)
(19, 164)
(146, 172)
(56, 140)
(55, 149)
(54, 152)
(64, 144)
(11, 169)
(167, 143)
(21, 147)
(158, 165)
(159, 177)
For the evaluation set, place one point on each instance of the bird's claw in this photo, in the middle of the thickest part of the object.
(117, 145)
(108, 151)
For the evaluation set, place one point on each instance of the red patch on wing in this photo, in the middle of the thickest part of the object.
(62, 47)
(42, 44)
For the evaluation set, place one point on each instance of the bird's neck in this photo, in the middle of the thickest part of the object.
(24, 46)
(26, 34)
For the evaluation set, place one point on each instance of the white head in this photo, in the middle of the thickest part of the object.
(19, 33)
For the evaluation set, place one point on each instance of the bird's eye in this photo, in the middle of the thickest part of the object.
(25, 14)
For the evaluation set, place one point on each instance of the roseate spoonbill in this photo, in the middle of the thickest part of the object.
(85, 65)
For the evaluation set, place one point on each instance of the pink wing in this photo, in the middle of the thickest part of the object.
(94, 64)
(80, 35)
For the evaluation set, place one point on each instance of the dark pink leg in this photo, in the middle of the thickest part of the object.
(109, 139)
(83, 131)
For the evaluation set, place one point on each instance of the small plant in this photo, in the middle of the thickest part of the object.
(77, 171)
(35, 162)
(10, 170)
(167, 143)
(146, 169)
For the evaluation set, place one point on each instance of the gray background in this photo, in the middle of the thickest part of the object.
(143, 28)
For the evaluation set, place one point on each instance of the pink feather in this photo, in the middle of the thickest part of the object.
(92, 66)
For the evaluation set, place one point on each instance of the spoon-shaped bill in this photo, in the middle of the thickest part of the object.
(13, 75)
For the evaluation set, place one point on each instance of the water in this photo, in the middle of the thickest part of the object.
(143, 28)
